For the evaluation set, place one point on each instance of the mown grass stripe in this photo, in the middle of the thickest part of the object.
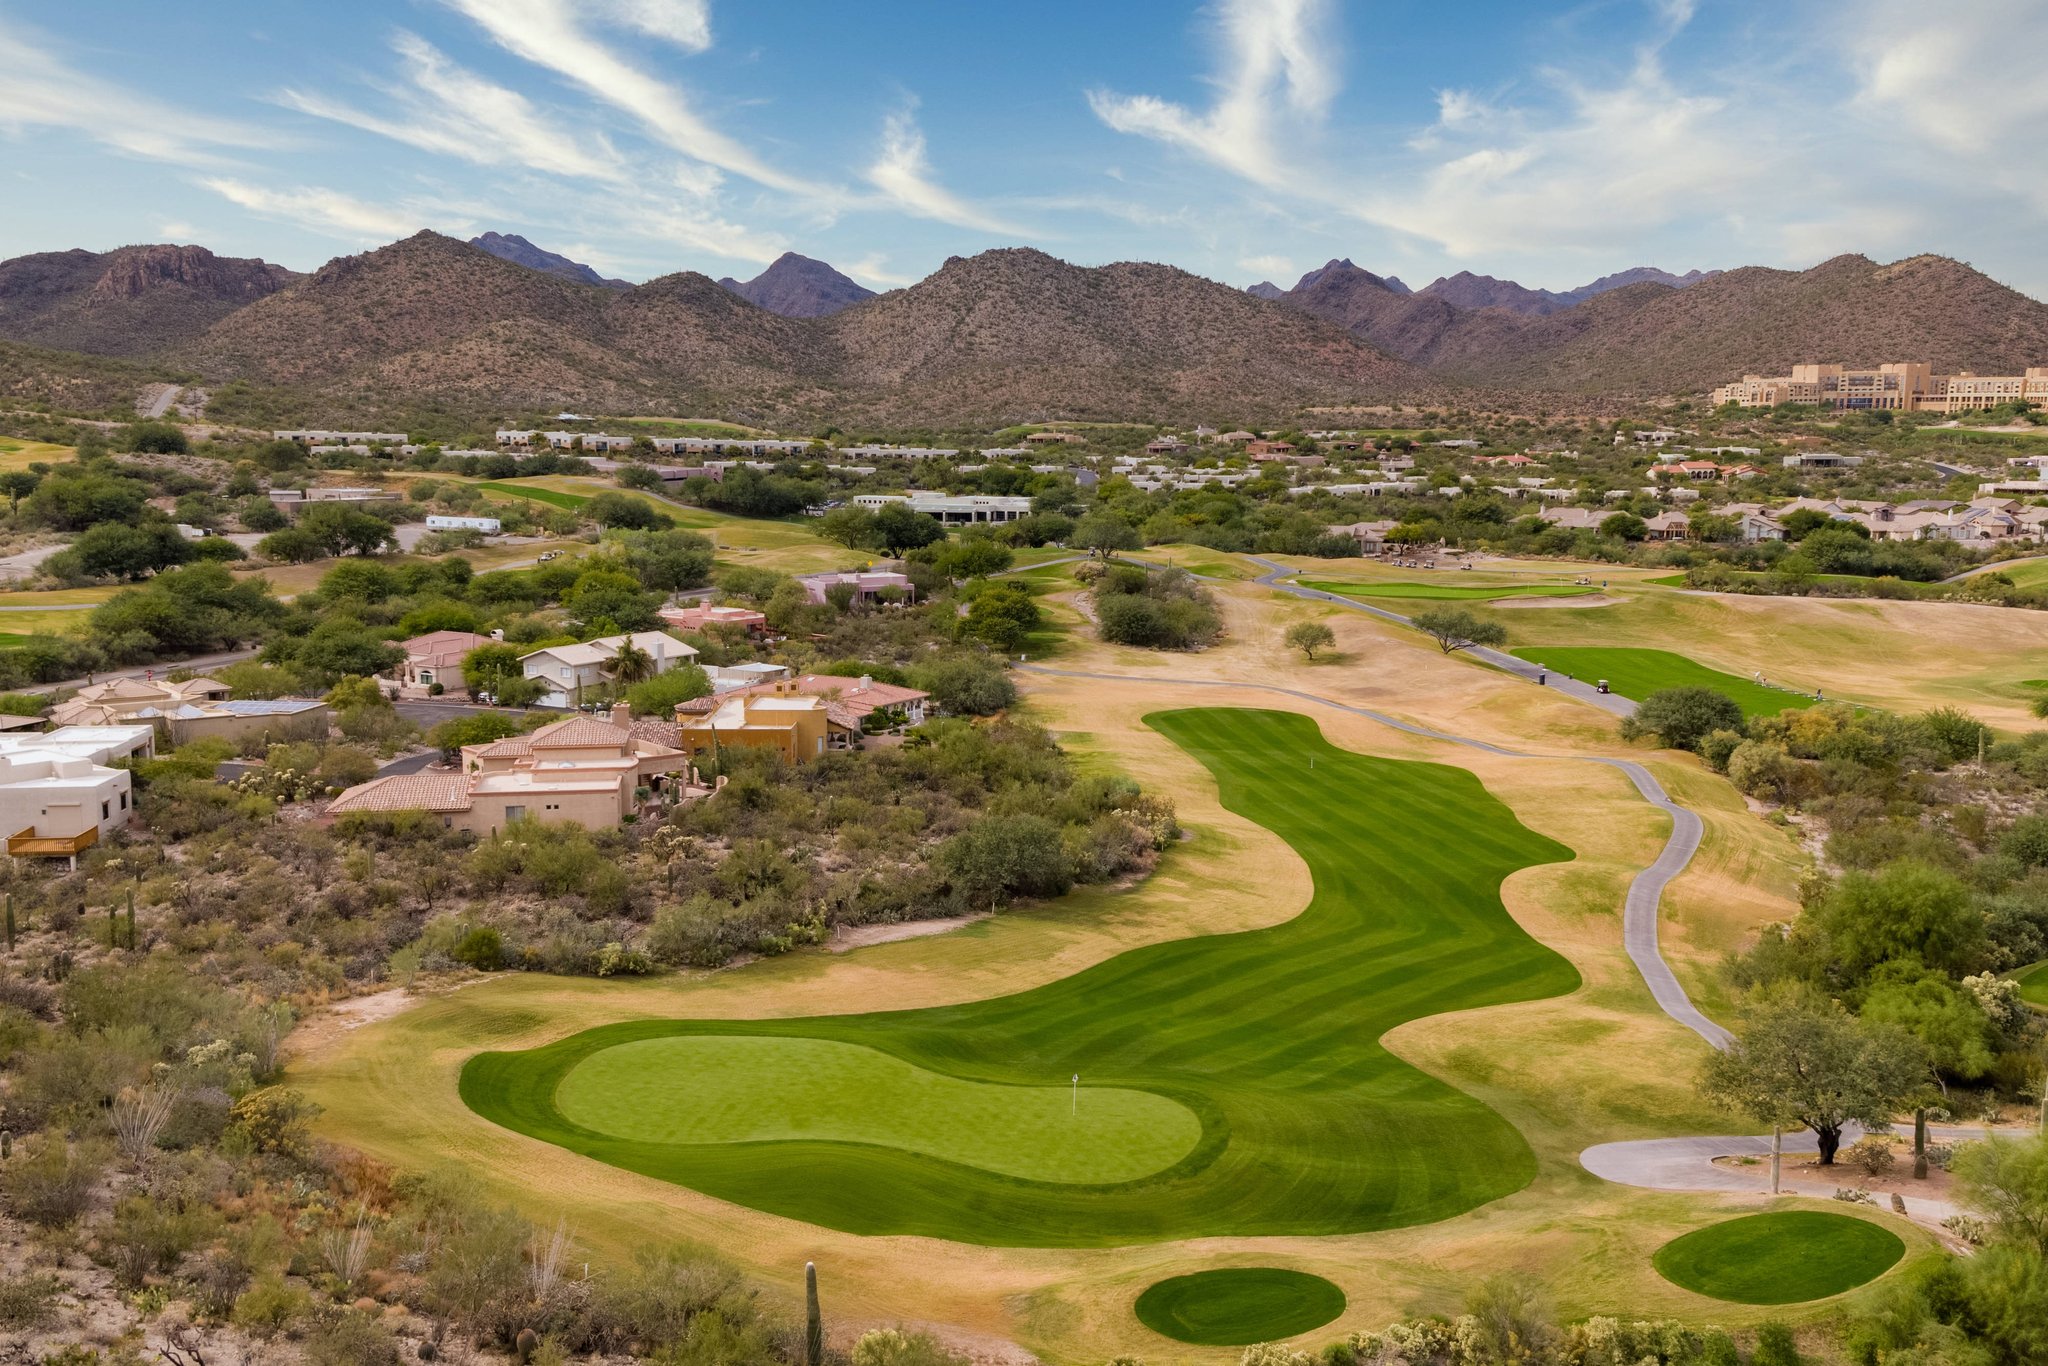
(1271, 1037)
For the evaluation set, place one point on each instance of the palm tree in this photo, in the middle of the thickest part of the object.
(629, 664)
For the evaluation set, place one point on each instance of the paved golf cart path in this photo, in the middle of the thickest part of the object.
(1275, 577)
(1687, 1164)
(1645, 891)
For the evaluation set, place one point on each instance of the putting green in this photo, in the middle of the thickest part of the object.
(1271, 1038)
(1235, 1306)
(1637, 673)
(1784, 1257)
(1450, 592)
(686, 1089)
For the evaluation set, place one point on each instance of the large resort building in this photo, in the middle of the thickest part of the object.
(1900, 387)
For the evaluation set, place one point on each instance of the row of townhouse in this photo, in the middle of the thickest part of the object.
(1982, 521)
(603, 443)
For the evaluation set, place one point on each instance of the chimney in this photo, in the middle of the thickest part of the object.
(622, 715)
(866, 681)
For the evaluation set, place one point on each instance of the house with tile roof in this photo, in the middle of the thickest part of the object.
(191, 709)
(436, 658)
(593, 771)
(860, 698)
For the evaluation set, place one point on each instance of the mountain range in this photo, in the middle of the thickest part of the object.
(798, 287)
(509, 246)
(502, 328)
(131, 301)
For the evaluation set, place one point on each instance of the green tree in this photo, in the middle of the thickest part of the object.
(629, 664)
(1003, 615)
(1103, 535)
(1904, 911)
(966, 685)
(615, 510)
(851, 527)
(1805, 1060)
(1000, 857)
(1624, 526)
(898, 527)
(1310, 636)
(1454, 629)
(2007, 1179)
(1682, 717)
(663, 693)
(450, 736)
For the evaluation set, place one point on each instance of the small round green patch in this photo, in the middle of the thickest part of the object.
(1785, 1257)
(1234, 1306)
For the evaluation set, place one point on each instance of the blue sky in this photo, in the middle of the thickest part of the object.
(1241, 139)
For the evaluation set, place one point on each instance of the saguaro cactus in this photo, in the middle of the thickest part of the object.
(814, 1321)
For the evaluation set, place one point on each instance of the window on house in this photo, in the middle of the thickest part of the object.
(124, 801)
(105, 810)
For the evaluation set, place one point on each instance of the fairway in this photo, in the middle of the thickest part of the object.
(1784, 1257)
(2033, 984)
(1636, 674)
(763, 1090)
(1235, 1306)
(1449, 592)
(1269, 1038)
(552, 497)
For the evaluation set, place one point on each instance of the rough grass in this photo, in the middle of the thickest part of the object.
(1450, 592)
(1904, 656)
(1782, 1257)
(1271, 1037)
(552, 497)
(1235, 1306)
(18, 453)
(1638, 673)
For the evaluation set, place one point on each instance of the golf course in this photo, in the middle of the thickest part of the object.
(1448, 592)
(1635, 674)
(1781, 1257)
(1227, 1084)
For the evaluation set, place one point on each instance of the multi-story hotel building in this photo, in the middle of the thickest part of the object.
(1906, 386)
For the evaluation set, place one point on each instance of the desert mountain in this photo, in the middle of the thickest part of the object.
(1005, 335)
(1411, 326)
(799, 287)
(509, 246)
(127, 302)
(1016, 333)
(1636, 275)
(1650, 338)
(1264, 289)
(431, 317)
(1468, 291)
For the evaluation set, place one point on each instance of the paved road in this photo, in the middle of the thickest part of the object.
(159, 404)
(1645, 891)
(409, 763)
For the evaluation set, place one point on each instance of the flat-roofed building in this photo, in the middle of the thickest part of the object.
(1898, 386)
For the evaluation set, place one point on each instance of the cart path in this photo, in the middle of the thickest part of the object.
(1687, 1164)
(1275, 577)
(1645, 890)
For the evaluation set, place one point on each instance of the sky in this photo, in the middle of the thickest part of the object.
(1240, 139)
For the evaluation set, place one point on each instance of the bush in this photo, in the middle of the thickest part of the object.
(271, 1306)
(29, 1302)
(1000, 857)
(1871, 1156)
(482, 948)
(51, 1185)
(1682, 718)
(1956, 734)
(275, 1120)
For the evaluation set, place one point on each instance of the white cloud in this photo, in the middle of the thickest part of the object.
(444, 108)
(1272, 267)
(686, 23)
(44, 91)
(331, 213)
(548, 34)
(873, 269)
(1278, 72)
(903, 174)
(174, 230)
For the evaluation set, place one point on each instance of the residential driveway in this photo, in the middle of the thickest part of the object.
(25, 563)
(410, 763)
